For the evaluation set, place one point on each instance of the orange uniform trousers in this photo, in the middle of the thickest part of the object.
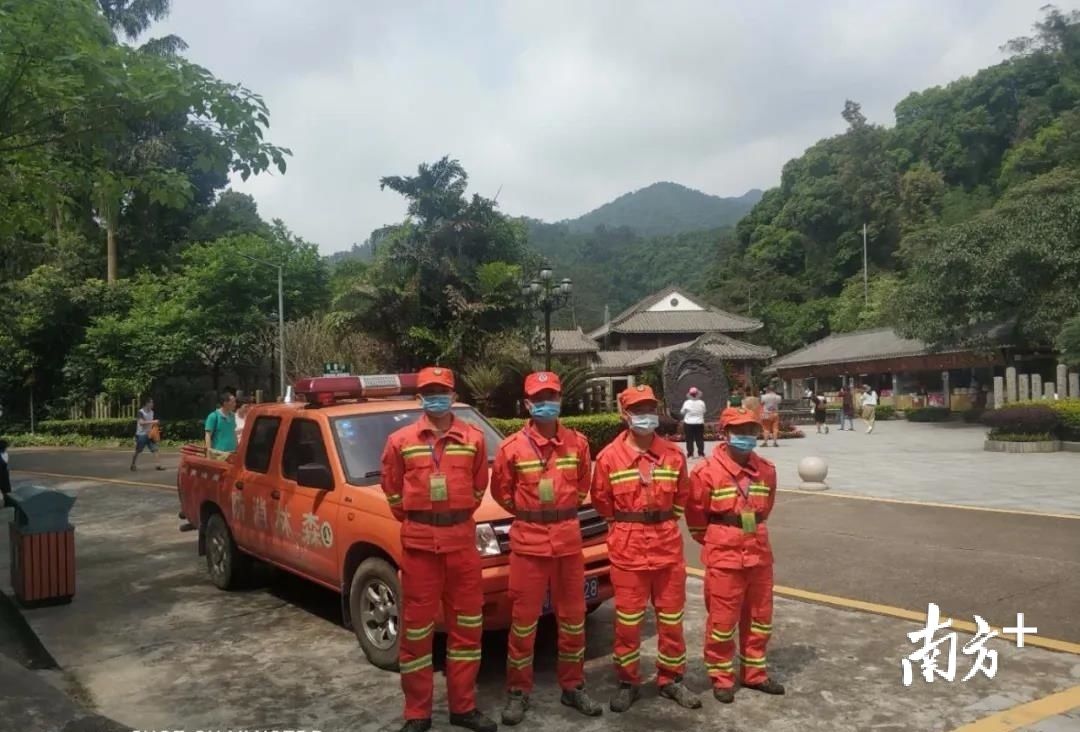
(454, 579)
(666, 587)
(738, 597)
(530, 577)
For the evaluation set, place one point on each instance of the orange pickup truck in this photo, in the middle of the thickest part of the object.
(302, 493)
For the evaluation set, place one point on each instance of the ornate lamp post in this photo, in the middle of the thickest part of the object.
(546, 295)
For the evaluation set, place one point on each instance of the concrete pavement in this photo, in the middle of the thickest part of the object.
(152, 644)
(937, 463)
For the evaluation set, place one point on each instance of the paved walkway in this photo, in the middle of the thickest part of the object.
(936, 463)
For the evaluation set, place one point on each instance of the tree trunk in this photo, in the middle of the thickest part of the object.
(110, 251)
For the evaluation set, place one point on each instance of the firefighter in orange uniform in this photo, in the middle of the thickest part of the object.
(434, 473)
(541, 476)
(640, 486)
(731, 496)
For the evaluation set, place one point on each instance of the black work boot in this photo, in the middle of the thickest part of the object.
(625, 697)
(677, 692)
(517, 703)
(474, 720)
(417, 725)
(724, 696)
(580, 700)
(768, 686)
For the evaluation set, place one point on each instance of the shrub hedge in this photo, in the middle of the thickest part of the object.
(121, 428)
(929, 414)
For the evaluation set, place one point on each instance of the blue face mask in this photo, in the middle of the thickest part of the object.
(545, 411)
(435, 404)
(742, 443)
(644, 424)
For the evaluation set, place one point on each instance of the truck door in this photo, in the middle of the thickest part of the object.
(312, 512)
(256, 487)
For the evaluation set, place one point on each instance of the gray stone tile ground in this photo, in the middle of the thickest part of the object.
(940, 463)
(149, 642)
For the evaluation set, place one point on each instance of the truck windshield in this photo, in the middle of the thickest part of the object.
(360, 439)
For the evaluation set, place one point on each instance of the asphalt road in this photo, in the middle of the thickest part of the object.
(967, 561)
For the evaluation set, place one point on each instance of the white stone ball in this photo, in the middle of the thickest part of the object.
(813, 469)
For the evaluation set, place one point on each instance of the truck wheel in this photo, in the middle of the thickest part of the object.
(225, 563)
(375, 608)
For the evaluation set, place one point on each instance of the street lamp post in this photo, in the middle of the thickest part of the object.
(546, 295)
(281, 317)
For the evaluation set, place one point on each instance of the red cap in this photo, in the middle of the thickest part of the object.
(542, 381)
(733, 416)
(635, 395)
(435, 376)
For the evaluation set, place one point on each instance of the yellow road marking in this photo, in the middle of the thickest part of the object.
(95, 479)
(1026, 714)
(904, 502)
(794, 593)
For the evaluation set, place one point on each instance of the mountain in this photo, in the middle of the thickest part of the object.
(667, 208)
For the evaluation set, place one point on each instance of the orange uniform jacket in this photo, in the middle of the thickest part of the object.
(408, 462)
(715, 491)
(523, 460)
(627, 480)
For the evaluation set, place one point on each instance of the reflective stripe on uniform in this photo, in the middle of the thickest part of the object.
(629, 618)
(755, 662)
(523, 631)
(721, 636)
(416, 665)
(470, 621)
(463, 655)
(572, 628)
(626, 659)
(575, 657)
(528, 466)
(519, 662)
(669, 618)
(415, 634)
(671, 660)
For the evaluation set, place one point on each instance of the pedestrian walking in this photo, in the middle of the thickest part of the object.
(731, 496)
(220, 428)
(541, 476)
(770, 415)
(869, 407)
(693, 416)
(640, 486)
(147, 434)
(819, 405)
(847, 408)
(434, 474)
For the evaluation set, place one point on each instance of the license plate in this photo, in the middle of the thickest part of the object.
(592, 591)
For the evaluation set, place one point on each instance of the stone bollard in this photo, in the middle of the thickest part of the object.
(813, 470)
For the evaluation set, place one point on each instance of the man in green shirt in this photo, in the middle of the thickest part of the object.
(221, 425)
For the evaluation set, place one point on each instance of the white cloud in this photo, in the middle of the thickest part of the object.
(565, 105)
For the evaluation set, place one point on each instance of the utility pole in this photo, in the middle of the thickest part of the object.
(865, 276)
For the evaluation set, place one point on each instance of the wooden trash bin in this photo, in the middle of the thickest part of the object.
(42, 546)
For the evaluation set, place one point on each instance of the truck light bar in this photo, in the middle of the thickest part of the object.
(326, 390)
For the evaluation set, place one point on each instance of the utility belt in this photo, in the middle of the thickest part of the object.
(546, 515)
(733, 519)
(439, 518)
(651, 516)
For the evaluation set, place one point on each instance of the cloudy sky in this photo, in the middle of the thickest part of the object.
(566, 105)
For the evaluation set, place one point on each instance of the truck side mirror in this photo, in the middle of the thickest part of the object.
(315, 475)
